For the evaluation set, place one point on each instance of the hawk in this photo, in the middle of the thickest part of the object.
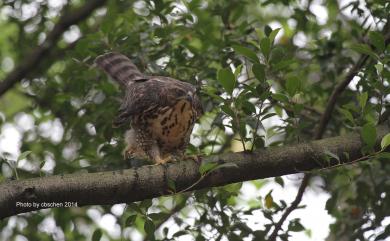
(160, 111)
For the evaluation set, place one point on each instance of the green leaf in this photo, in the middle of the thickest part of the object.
(23, 155)
(280, 97)
(259, 33)
(145, 204)
(227, 80)
(269, 201)
(165, 231)
(42, 164)
(259, 142)
(237, 71)
(210, 91)
(259, 72)
(280, 181)
(295, 226)
(368, 134)
(130, 220)
(364, 49)
(347, 114)
(265, 46)
(248, 107)
(205, 167)
(158, 216)
(293, 85)
(283, 64)
(267, 30)
(226, 165)
(268, 116)
(97, 234)
(331, 204)
(385, 141)
(227, 110)
(332, 155)
(363, 99)
(377, 40)
(149, 227)
(273, 34)
(379, 68)
(134, 207)
(250, 54)
(180, 233)
(242, 129)
(171, 185)
(212, 166)
(277, 54)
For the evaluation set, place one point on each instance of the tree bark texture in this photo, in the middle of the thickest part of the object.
(124, 186)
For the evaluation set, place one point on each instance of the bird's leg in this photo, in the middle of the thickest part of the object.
(181, 155)
(195, 158)
(163, 160)
(133, 149)
(126, 153)
(133, 152)
(156, 156)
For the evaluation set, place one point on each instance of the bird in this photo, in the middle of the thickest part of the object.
(159, 111)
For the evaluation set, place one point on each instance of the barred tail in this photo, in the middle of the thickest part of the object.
(119, 67)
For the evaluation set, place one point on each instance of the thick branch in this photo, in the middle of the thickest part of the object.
(151, 181)
(32, 60)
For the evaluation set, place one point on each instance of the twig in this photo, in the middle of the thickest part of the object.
(363, 158)
(335, 94)
(258, 122)
(292, 207)
(202, 177)
(171, 213)
(37, 55)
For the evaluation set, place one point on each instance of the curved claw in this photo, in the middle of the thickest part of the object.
(195, 158)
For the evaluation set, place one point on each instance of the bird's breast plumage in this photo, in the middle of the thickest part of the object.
(172, 126)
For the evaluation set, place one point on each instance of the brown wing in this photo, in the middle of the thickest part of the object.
(154, 93)
(119, 67)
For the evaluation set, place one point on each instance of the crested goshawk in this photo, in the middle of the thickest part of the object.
(160, 111)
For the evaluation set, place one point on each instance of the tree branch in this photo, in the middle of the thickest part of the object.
(292, 207)
(31, 61)
(151, 181)
(324, 120)
(335, 94)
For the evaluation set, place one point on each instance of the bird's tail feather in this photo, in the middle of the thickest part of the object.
(119, 67)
